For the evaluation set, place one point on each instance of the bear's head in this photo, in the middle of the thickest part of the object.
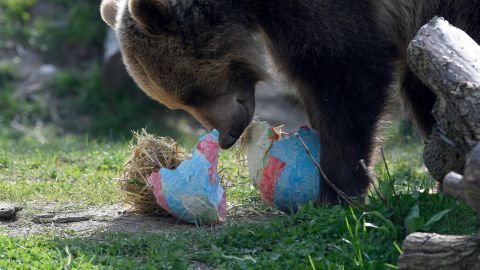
(194, 57)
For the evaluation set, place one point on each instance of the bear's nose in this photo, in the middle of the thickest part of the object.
(228, 140)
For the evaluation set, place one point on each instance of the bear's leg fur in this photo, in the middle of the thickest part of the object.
(342, 65)
(345, 106)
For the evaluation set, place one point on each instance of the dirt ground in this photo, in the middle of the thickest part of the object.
(108, 218)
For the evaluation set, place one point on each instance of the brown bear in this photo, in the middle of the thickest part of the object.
(345, 57)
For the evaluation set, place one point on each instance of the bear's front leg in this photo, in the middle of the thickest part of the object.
(346, 111)
(342, 148)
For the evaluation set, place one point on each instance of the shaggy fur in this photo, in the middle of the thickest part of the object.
(342, 55)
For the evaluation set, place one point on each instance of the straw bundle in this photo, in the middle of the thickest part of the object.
(149, 153)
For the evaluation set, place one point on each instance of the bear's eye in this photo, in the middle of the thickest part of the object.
(193, 97)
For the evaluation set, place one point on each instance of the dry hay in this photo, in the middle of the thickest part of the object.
(149, 153)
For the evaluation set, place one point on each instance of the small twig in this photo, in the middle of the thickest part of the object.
(367, 171)
(372, 176)
(324, 176)
(388, 172)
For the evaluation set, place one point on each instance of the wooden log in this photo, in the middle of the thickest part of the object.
(447, 60)
(432, 251)
(466, 187)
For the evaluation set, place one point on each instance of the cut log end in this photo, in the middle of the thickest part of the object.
(432, 251)
(466, 187)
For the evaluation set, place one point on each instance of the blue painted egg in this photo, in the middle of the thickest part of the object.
(192, 192)
(282, 169)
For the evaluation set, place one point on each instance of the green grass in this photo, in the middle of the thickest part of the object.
(75, 172)
(69, 170)
(79, 171)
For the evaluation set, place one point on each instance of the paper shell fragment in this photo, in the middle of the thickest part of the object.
(281, 169)
(192, 192)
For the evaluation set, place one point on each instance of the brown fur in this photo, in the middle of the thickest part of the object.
(344, 57)
(166, 63)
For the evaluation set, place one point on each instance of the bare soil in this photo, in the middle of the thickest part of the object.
(109, 218)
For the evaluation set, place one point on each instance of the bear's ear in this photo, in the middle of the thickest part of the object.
(109, 10)
(154, 16)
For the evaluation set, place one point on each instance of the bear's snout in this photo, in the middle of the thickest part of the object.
(231, 116)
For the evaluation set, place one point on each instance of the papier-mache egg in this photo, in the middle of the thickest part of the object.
(192, 192)
(281, 168)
